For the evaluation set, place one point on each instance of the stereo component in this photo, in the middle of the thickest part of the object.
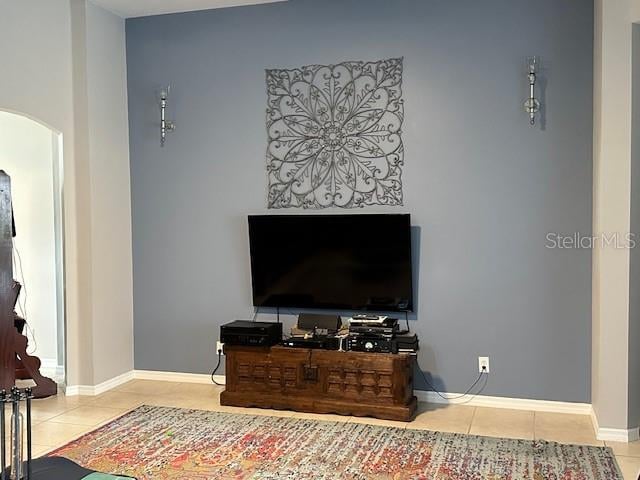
(370, 344)
(326, 343)
(383, 344)
(256, 334)
(317, 322)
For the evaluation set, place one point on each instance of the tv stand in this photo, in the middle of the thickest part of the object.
(320, 381)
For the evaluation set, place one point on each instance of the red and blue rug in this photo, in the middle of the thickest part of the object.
(159, 443)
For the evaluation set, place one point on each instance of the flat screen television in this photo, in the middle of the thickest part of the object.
(337, 262)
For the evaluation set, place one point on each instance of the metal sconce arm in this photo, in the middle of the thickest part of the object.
(165, 125)
(532, 104)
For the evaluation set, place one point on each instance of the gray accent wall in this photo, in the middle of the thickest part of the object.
(483, 187)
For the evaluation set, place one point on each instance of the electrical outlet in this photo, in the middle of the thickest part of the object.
(483, 364)
(219, 347)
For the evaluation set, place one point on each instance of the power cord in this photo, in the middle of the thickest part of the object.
(22, 299)
(467, 392)
(216, 369)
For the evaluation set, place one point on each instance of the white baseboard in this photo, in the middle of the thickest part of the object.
(617, 435)
(423, 396)
(49, 363)
(50, 368)
(504, 402)
(91, 390)
(203, 378)
(623, 435)
(607, 434)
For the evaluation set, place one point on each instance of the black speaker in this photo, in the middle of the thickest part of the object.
(310, 321)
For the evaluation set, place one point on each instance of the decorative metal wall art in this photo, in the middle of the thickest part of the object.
(335, 137)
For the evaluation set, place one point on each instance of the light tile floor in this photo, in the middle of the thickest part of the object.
(60, 419)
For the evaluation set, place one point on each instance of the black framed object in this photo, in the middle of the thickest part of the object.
(338, 262)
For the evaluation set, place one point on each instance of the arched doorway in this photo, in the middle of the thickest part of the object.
(31, 153)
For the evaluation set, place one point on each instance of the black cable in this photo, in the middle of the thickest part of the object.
(255, 314)
(278, 314)
(216, 369)
(406, 319)
(457, 397)
(23, 298)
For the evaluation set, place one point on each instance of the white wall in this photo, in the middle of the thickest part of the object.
(612, 211)
(37, 81)
(112, 274)
(26, 154)
(46, 76)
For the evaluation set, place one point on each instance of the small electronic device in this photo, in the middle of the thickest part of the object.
(383, 343)
(367, 318)
(326, 343)
(244, 332)
(406, 343)
(388, 326)
(316, 322)
(376, 344)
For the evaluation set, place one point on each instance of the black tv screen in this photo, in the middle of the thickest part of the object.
(340, 262)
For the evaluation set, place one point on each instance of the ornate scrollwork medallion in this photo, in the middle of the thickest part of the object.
(335, 137)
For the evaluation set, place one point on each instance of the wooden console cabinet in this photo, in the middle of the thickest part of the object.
(320, 381)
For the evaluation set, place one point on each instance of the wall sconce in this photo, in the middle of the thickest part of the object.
(165, 125)
(532, 104)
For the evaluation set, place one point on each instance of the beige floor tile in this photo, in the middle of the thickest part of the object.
(174, 401)
(197, 396)
(192, 398)
(215, 407)
(630, 467)
(88, 415)
(63, 401)
(322, 417)
(56, 434)
(7, 420)
(117, 399)
(226, 409)
(44, 412)
(60, 419)
(501, 422)
(206, 390)
(40, 450)
(378, 422)
(443, 418)
(631, 449)
(125, 386)
(205, 403)
(565, 428)
(36, 450)
(267, 412)
(203, 395)
(149, 387)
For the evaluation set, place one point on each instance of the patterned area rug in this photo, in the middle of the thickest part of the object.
(167, 443)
